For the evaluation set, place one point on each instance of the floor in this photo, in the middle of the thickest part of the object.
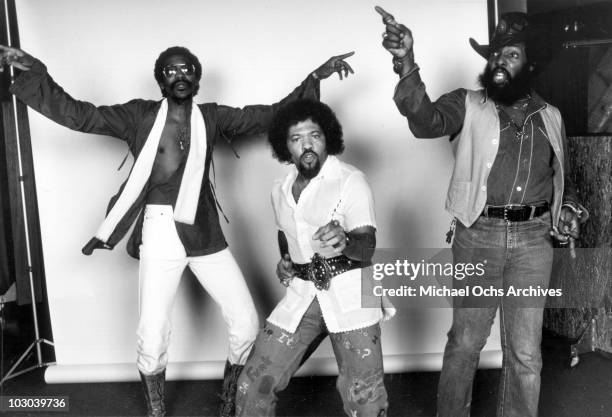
(583, 391)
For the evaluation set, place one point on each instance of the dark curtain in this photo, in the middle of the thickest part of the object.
(6, 278)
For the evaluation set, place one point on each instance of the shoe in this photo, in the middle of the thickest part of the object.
(230, 386)
(154, 393)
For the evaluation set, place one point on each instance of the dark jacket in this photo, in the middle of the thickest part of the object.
(132, 122)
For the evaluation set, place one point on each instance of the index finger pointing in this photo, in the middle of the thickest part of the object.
(346, 55)
(387, 17)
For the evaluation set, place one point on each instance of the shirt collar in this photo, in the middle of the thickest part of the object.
(329, 170)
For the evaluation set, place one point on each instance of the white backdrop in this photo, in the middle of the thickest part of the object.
(252, 52)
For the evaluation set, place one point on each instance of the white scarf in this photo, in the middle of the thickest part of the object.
(189, 192)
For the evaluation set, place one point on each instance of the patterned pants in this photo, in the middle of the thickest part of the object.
(277, 355)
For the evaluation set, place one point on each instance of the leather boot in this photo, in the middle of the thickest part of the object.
(154, 393)
(230, 387)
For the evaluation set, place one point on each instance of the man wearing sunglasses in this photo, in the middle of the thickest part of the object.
(169, 196)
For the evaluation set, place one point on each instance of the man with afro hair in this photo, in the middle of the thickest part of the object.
(324, 212)
(168, 196)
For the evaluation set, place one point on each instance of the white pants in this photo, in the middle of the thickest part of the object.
(162, 262)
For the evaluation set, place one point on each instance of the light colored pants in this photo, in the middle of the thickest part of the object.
(278, 354)
(162, 262)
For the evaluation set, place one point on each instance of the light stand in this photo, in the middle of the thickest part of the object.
(38, 341)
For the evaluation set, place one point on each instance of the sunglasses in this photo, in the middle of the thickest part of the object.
(172, 71)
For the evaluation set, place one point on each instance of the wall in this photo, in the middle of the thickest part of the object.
(252, 52)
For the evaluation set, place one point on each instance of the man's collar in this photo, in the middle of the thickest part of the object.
(329, 170)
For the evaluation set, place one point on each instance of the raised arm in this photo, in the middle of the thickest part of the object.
(35, 87)
(425, 119)
(255, 119)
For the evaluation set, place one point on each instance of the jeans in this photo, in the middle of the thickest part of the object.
(517, 254)
(277, 355)
(162, 262)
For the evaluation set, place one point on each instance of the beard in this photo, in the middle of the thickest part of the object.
(309, 171)
(509, 92)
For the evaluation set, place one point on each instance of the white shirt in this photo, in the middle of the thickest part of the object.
(339, 192)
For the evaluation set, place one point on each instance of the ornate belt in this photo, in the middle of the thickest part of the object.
(321, 270)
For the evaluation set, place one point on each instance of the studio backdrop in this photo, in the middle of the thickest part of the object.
(252, 52)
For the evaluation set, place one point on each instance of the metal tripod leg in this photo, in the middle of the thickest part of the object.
(36, 344)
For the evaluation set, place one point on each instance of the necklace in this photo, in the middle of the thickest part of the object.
(520, 133)
(522, 104)
(183, 138)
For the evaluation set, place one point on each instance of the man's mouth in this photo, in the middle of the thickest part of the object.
(500, 76)
(309, 157)
(181, 85)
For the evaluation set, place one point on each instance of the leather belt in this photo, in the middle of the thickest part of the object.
(321, 270)
(515, 212)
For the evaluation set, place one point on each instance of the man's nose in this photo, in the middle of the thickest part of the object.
(307, 144)
(500, 60)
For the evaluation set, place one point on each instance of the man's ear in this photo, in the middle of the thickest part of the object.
(161, 88)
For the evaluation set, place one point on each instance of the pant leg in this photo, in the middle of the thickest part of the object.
(162, 262)
(275, 357)
(485, 243)
(361, 376)
(529, 266)
(468, 334)
(221, 277)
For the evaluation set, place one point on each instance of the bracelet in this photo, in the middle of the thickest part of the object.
(571, 205)
(398, 65)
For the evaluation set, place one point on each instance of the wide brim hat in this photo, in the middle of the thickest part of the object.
(512, 28)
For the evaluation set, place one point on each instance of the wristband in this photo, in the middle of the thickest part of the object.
(347, 240)
(572, 206)
(398, 65)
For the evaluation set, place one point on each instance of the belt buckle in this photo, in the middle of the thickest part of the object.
(508, 207)
(319, 272)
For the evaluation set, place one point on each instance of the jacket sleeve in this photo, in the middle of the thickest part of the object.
(39, 91)
(255, 119)
(426, 119)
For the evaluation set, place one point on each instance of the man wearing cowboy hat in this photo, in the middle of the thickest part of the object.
(509, 194)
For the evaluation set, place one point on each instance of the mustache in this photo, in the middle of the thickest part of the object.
(181, 81)
(308, 152)
(502, 69)
(498, 68)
